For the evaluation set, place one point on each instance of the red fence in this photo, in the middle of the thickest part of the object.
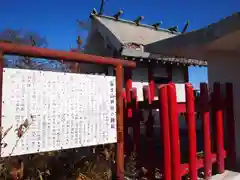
(216, 112)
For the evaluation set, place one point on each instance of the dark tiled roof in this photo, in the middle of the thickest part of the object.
(132, 54)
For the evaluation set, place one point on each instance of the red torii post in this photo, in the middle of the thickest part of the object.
(128, 110)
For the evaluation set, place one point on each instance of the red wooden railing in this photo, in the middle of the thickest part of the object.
(215, 111)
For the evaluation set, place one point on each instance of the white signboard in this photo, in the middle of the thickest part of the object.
(45, 111)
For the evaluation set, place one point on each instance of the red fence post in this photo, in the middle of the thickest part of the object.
(151, 83)
(151, 92)
(165, 131)
(128, 87)
(128, 83)
(192, 144)
(136, 120)
(174, 129)
(148, 101)
(204, 111)
(149, 128)
(127, 110)
(218, 111)
(230, 124)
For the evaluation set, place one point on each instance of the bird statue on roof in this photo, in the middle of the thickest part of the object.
(118, 14)
(137, 21)
(157, 25)
(173, 29)
(94, 11)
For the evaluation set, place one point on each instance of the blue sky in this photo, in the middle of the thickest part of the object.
(56, 19)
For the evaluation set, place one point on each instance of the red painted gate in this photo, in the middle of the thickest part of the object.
(216, 113)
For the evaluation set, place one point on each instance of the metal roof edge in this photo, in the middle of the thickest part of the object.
(92, 15)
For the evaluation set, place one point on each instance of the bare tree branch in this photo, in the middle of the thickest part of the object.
(26, 38)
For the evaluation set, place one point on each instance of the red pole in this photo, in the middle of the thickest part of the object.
(152, 94)
(128, 81)
(125, 118)
(151, 83)
(136, 121)
(128, 87)
(174, 129)
(146, 95)
(165, 131)
(128, 110)
(120, 124)
(218, 110)
(230, 122)
(192, 144)
(213, 122)
(149, 129)
(204, 109)
(30, 51)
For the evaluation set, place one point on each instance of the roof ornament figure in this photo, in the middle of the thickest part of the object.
(185, 27)
(157, 25)
(139, 18)
(118, 14)
(101, 7)
(94, 11)
(173, 29)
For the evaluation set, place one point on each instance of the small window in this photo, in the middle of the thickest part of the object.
(178, 74)
(161, 80)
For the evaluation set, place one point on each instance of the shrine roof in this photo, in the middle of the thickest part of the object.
(132, 54)
(130, 39)
(127, 31)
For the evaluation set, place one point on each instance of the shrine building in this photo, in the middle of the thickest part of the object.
(111, 36)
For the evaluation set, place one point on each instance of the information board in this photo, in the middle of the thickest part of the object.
(44, 111)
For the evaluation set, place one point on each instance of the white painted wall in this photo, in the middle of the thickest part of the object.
(140, 79)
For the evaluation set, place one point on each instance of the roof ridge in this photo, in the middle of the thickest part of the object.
(133, 23)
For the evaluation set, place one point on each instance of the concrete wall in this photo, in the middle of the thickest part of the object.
(227, 70)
